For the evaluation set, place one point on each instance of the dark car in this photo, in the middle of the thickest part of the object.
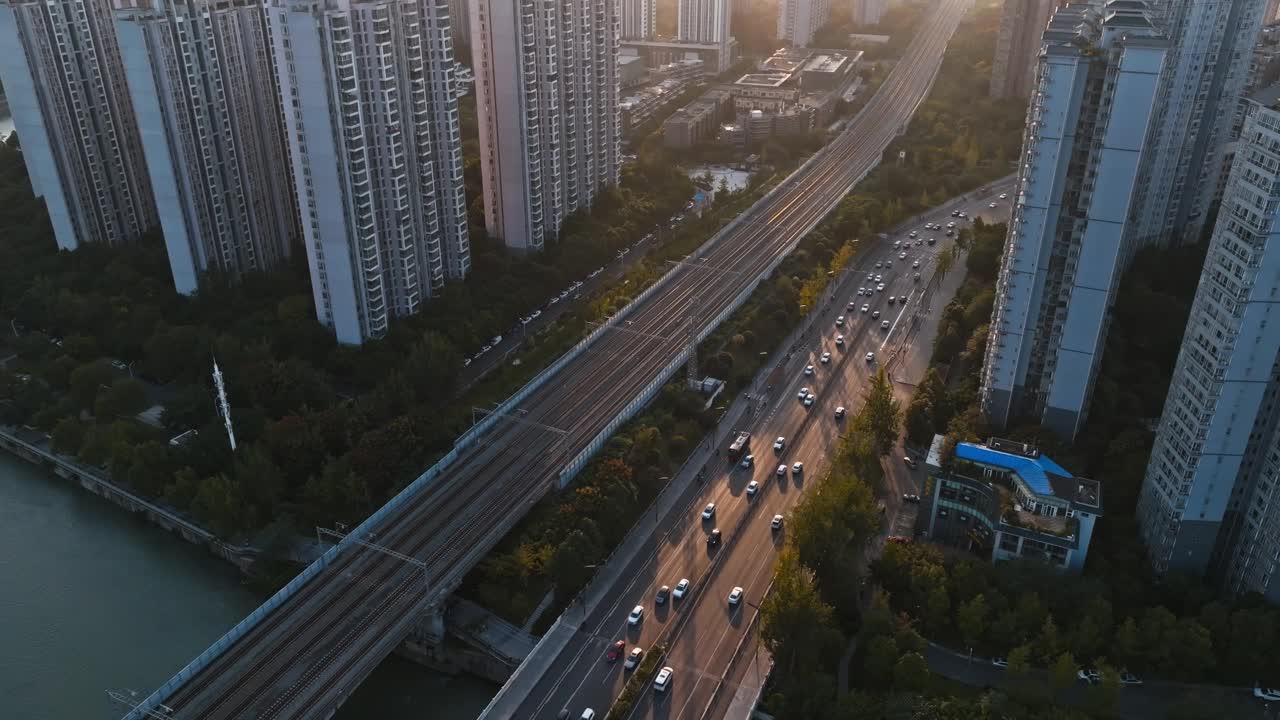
(616, 650)
(714, 538)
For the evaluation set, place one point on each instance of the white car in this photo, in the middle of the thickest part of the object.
(637, 614)
(912, 234)
(633, 660)
(808, 400)
(840, 340)
(917, 277)
(735, 596)
(1004, 196)
(866, 308)
(588, 714)
(871, 356)
(1000, 662)
(892, 299)
(682, 588)
(748, 461)
(879, 265)
(776, 522)
(798, 468)
(752, 487)
(880, 287)
(994, 205)
(902, 256)
(709, 511)
(839, 320)
(840, 412)
(879, 278)
(875, 315)
(871, 277)
(888, 263)
(780, 442)
(884, 324)
(782, 471)
(826, 358)
(1090, 675)
(1265, 693)
(663, 680)
(808, 370)
(804, 391)
(916, 265)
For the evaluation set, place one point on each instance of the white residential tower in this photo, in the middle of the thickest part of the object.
(639, 19)
(798, 20)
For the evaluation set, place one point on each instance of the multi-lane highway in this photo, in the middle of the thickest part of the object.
(703, 632)
(311, 651)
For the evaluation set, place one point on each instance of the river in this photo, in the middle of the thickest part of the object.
(93, 599)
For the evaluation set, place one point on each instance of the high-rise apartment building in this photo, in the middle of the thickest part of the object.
(1208, 503)
(1018, 46)
(640, 19)
(372, 121)
(205, 97)
(60, 64)
(867, 12)
(1211, 44)
(1067, 245)
(703, 21)
(547, 104)
(460, 19)
(798, 20)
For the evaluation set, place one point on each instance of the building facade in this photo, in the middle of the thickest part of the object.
(1204, 78)
(640, 19)
(798, 20)
(1018, 46)
(65, 83)
(1068, 243)
(460, 20)
(208, 110)
(547, 104)
(1006, 500)
(1208, 500)
(703, 21)
(867, 12)
(371, 119)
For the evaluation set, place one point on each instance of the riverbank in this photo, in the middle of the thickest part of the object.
(95, 599)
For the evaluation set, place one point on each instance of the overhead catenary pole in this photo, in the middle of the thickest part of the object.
(224, 407)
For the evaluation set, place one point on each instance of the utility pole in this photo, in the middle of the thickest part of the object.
(223, 406)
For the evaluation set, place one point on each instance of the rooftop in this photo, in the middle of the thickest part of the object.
(1040, 474)
(774, 79)
(1268, 96)
(827, 63)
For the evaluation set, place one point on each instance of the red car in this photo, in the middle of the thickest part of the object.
(616, 650)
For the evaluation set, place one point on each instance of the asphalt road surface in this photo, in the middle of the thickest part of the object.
(310, 653)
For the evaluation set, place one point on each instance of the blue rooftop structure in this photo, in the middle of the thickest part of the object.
(1034, 471)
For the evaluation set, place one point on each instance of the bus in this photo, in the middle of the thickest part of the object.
(738, 446)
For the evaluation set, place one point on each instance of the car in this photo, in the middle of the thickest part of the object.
(933, 240)
(782, 470)
(735, 596)
(748, 461)
(714, 538)
(798, 468)
(912, 234)
(884, 324)
(879, 264)
(911, 498)
(1089, 675)
(897, 244)
(892, 299)
(588, 714)
(637, 614)
(879, 278)
(919, 243)
(866, 308)
(871, 357)
(119, 365)
(1000, 662)
(902, 256)
(776, 522)
(1265, 693)
(486, 348)
(840, 340)
(839, 320)
(951, 233)
(1128, 678)
(808, 400)
(917, 277)
(871, 277)
(633, 660)
(909, 461)
(915, 265)
(963, 214)
(661, 598)
(616, 650)
(804, 391)
(888, 263)
(808, 370)
(1004, 196)
(782, 442)
(880, 287)
(840, 412)
(663, 680)
(853, 304)
(752, 487)
(951, 224)
(955, 213)
(825, 358)
(709, 511)
(682, 589)
(994, 205)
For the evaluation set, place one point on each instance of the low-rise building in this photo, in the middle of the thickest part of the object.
(825, 72)
(690, 69)
(1006, 500)
(770, 92)
(758, 124)
(697, 121)
(632, 71)
(795, 121)
(733, 134)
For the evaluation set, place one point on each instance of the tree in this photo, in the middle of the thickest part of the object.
(1101, 698)
(882, 656)
(87, 380)
(971, 619)
(1062, 672)
(937, 612)
(881, 413)
(797, 625)
(1019, 662)
(911, 673)
(125, 398)
(68, 436)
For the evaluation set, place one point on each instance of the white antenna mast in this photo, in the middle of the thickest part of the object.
(224, 408)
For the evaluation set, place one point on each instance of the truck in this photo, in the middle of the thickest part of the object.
(739, 446)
